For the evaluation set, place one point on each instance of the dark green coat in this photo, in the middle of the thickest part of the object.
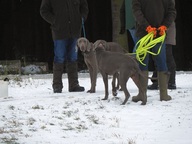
(65, 17)
(126, 15)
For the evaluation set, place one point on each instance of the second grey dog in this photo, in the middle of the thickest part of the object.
(113, 47)
(110, 63)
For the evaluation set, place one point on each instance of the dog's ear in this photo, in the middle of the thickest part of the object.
(105, 45)
(86, 41)
(93, 46)
(89, 46)
(77, 43)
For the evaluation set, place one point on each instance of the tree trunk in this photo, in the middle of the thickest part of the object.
(116, 37)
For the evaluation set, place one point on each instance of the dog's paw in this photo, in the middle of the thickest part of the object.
(114, 93)
(91, 91)
(104, 99)
(143, 103)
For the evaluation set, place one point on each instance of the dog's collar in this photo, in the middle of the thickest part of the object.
(85, 52)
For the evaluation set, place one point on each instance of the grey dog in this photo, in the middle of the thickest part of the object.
(110, 63)
(87, 48)
(113, 47)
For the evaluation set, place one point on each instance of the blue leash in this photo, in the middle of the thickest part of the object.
(83, 27)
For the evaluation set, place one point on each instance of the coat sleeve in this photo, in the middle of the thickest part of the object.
(84, 10)
(170, 14)
(46, 11)
(171, 35)
(138, 14)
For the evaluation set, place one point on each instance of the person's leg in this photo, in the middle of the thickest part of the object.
(162, 72)
(154, 85)
(133, 35)
(57, 77)
(59, 57)
(171, 67)
(72, 67)
(143, 81)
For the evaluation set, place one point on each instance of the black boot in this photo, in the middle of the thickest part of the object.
(73, 77)
(171, 83)
(172, 86)
(153, 86)
(171, 67)
(57, 77)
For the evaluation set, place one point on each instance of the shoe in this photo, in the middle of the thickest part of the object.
(77, 89)
(57, 90)
(154, 86)
(171, 86)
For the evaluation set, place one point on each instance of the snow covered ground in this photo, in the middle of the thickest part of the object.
(33, 114)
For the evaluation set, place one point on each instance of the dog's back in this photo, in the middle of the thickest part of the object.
(112, 62)
(109, 46)
(114, 47)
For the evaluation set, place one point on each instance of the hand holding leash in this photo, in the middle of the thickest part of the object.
(162, 30)
(150, 29)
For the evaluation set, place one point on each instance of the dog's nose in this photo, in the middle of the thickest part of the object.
(83, 46)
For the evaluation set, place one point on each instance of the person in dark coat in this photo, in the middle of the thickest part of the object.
(154, 16)
(170, 42)
(65, 17)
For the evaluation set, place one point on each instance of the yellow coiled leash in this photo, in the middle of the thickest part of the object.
(144, 45)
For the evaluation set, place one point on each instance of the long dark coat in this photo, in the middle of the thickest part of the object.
(171, 35)
(65, 17)
(154, 13)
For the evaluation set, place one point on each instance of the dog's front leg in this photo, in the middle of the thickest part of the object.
(94, 74)
(92, 63)
(114, 88)
(93, 80)
(105, 80)
(90, 74)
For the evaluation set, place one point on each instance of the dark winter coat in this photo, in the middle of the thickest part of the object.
(154, 13)
(65, 17)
